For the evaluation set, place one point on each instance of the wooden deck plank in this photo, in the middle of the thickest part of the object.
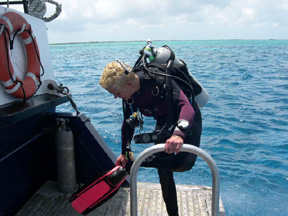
(192, 201)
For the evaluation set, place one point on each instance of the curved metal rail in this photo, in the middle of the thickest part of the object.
(186, 148)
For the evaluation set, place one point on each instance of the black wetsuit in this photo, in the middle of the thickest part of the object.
(156, 106)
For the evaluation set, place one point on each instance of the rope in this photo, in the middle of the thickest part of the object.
(37, 8)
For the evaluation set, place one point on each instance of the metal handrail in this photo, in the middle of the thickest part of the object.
(186, 148)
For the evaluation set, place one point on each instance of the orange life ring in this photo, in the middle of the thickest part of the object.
(12, 23)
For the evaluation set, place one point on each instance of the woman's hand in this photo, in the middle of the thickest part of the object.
(173, 144)
(121, 160)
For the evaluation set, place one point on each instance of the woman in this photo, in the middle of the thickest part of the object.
(177, 122)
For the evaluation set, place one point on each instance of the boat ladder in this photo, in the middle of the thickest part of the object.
(186, 148)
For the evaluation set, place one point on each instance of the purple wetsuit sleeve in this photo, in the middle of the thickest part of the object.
(186, 112)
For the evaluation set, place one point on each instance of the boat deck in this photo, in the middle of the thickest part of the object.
(192, 200)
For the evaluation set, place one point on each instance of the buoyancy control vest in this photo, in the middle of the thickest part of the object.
(165, 64)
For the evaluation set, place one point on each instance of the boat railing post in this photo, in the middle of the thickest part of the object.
(186, 148)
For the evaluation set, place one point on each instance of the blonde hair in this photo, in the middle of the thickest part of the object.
(114, 77)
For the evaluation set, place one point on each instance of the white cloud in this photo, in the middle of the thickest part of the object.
(102, 20)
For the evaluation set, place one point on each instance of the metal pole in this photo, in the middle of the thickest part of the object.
(186, 148)
(25, 6)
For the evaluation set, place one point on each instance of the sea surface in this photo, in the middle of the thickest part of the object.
(245, 122)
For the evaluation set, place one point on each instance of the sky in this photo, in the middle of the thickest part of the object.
(129, 20)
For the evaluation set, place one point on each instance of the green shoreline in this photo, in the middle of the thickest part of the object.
(93, 42)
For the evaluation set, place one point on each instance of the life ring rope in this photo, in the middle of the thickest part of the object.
(30, 39)
(12, 76)
(11, 25)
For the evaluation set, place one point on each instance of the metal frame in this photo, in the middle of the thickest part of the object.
(24, 2)
(186, 148)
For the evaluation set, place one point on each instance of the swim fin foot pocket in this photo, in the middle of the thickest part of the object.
(118, 175)
(91, 196)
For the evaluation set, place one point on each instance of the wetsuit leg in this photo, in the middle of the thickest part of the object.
(167, 163)
(168, 191)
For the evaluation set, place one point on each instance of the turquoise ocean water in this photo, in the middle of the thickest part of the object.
(245, 122)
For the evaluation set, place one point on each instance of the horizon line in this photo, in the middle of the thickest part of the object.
(122, 41)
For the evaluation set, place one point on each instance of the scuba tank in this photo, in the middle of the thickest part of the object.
(66, 170)
(163, 54)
